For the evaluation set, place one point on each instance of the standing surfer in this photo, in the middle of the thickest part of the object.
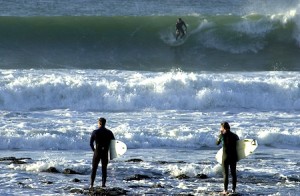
(229, 159)
(179, 28)
(102, 138)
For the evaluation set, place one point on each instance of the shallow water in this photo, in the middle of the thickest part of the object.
(269, 171)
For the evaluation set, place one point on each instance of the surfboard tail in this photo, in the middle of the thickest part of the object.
(116, 149)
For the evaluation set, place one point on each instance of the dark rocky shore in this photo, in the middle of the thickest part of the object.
(97, 190)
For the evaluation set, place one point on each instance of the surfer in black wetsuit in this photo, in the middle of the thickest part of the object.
(179, 28)
(229, 159)
(102, 138)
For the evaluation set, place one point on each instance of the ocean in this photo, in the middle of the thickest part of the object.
(64, 64)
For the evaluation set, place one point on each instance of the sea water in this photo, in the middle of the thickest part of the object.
(65, 63)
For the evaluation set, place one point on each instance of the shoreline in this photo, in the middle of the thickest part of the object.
(139, 171)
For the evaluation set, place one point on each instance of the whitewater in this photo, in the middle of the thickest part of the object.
(64, 64)
(48, 115)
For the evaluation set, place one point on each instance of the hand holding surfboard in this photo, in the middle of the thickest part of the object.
(245, 147)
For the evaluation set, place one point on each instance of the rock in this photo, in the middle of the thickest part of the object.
(108, 191)
(51, 170)
(76, 180)
(17, 162)
(70, 171)
(170, 162)
(76, 191)
(47, 182)
(293, 179)
(163, 162)
(137, 177)
(158, 186)
(8, 158)
(202, 176)
(138, 186)
(20, 183)
(182, 176)
(14, 160)
(135, 160)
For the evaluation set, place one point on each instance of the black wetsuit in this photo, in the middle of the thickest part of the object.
(179, 29)
(229, 158)
(102, 137)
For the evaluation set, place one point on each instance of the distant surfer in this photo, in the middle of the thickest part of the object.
(102, 138)
(179, 28)
(229, 159)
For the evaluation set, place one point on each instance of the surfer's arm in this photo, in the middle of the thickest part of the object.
(112, 136)
(237, 138)
(185, 26)
(219, 140)
(92, 141)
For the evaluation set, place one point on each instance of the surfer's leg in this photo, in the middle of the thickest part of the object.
(177, 34)
(104, 163)
(182, 33)
(96, 160)
(225, 175)
(233, 174)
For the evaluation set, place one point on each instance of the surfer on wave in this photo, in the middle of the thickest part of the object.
(179, 28)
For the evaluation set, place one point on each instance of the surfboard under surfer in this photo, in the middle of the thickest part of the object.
(179, 28)
(230, 157)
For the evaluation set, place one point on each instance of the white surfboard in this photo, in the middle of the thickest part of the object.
(245, 147)
(116, 149)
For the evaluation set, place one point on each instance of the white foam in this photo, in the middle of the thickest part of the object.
(188, 169)
(171, 109)
(137, 90)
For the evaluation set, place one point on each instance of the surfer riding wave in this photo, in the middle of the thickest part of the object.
(179, 28)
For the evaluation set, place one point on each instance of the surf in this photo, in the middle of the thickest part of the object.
(138, 90)
(224, 42)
